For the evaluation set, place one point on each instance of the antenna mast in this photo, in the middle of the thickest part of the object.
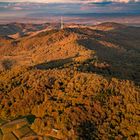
(62, 23)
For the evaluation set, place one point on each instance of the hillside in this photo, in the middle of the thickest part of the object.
(119, 48)
(75, 83)
(17, 30)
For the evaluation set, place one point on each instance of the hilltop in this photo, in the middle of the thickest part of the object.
(116, 44)
(81, 82)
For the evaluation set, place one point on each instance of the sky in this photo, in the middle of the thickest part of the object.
(66, 1)
(81, 5)
(81, 8)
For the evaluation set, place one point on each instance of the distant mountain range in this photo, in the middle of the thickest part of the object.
(97, 15)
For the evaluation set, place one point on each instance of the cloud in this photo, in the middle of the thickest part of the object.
(112, 7)
(72, 1)
(17, 8)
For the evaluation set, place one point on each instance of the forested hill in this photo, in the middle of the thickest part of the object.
(75, 83)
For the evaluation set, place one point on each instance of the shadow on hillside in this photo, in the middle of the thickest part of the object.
(87, 130)
(102, 51)
(54, 64)
(89, 66)
(111, 71)
(123, 64)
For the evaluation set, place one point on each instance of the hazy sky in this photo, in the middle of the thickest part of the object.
(126, 1)
(87, 6)
(81, 8)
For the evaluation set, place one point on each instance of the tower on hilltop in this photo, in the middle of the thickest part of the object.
(62, 23)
